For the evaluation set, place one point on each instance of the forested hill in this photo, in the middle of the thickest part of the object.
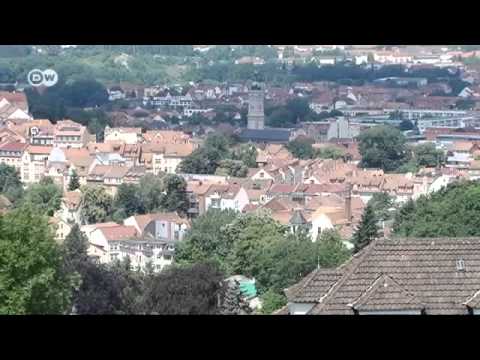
(453, 211)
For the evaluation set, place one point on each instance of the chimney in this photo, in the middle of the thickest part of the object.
(348, 203)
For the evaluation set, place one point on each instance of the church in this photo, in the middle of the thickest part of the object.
(256, 131)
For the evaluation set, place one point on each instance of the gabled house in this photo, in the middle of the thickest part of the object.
(402, 276)
(224, 197)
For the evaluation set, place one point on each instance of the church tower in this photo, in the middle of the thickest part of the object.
(256, 115)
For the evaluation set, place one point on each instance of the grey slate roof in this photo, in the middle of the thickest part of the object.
(386, 294)
(419, 271)
(268, 135)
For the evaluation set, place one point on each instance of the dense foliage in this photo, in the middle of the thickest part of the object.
(383, 147)
(367, 230)
(32, 280)
(453, 211)
(256, 246)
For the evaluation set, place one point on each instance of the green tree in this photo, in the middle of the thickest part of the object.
(247, 153)
(382, 147)
(207, 158)
(184, 290)
(367, 230)
(406, 125)
(233, 302)
(329, 152)
(427, 155)
(150, 191)
(235, 168)
(45, 196)
(128, 201)
(175, 198)
(382, 203)
(32, 279)
(301, 148)
(452, 211)
(272, 301)
(10, 183)
(299, 107)
(281, 117)
(331, 250)
(250, 235)
(96, 204)
(74, 183)
(205, 241)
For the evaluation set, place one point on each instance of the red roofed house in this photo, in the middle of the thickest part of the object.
(224, 197)
(11, 153)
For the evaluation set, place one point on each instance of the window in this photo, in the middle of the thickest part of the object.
(167, 257)
(215, 203)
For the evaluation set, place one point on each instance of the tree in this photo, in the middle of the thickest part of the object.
(382, 203)
(367, 230)
(272, 301)
(150, 192)
(175, 198)
(247, 153)
(128, 200)
(382, 147)
(85, 93)
(184, 290)
(249, 236)
(427, 155)
(299, 107)
(406, 125)
(96, 204)
(235, 168)
(205, 241)
(281, 117)
(45, 196)
(301, 148)
(206, 159)
(32, 280)
(74, 183)
(233, 302)
(10, 183)
(329, 152)
(452, 211)
(331, 251)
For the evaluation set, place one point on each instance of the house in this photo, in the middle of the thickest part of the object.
(167, 157)
(123, 134)
(403, 276)
(62, 229)
(70, 208)
(102, 236)
(69, 134)
(163, 226)
(224, 197)
(109, 176)
(166, 137)
(148, 240)
(11, 153)
(34, 163)
(13, 106)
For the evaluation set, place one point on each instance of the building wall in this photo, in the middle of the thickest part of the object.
(299, 308)
(168, 164)
(127, 138)
(320, 223)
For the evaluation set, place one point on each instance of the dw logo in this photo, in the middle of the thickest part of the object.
(47, 77)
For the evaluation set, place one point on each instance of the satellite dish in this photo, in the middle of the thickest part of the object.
(34, 131)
